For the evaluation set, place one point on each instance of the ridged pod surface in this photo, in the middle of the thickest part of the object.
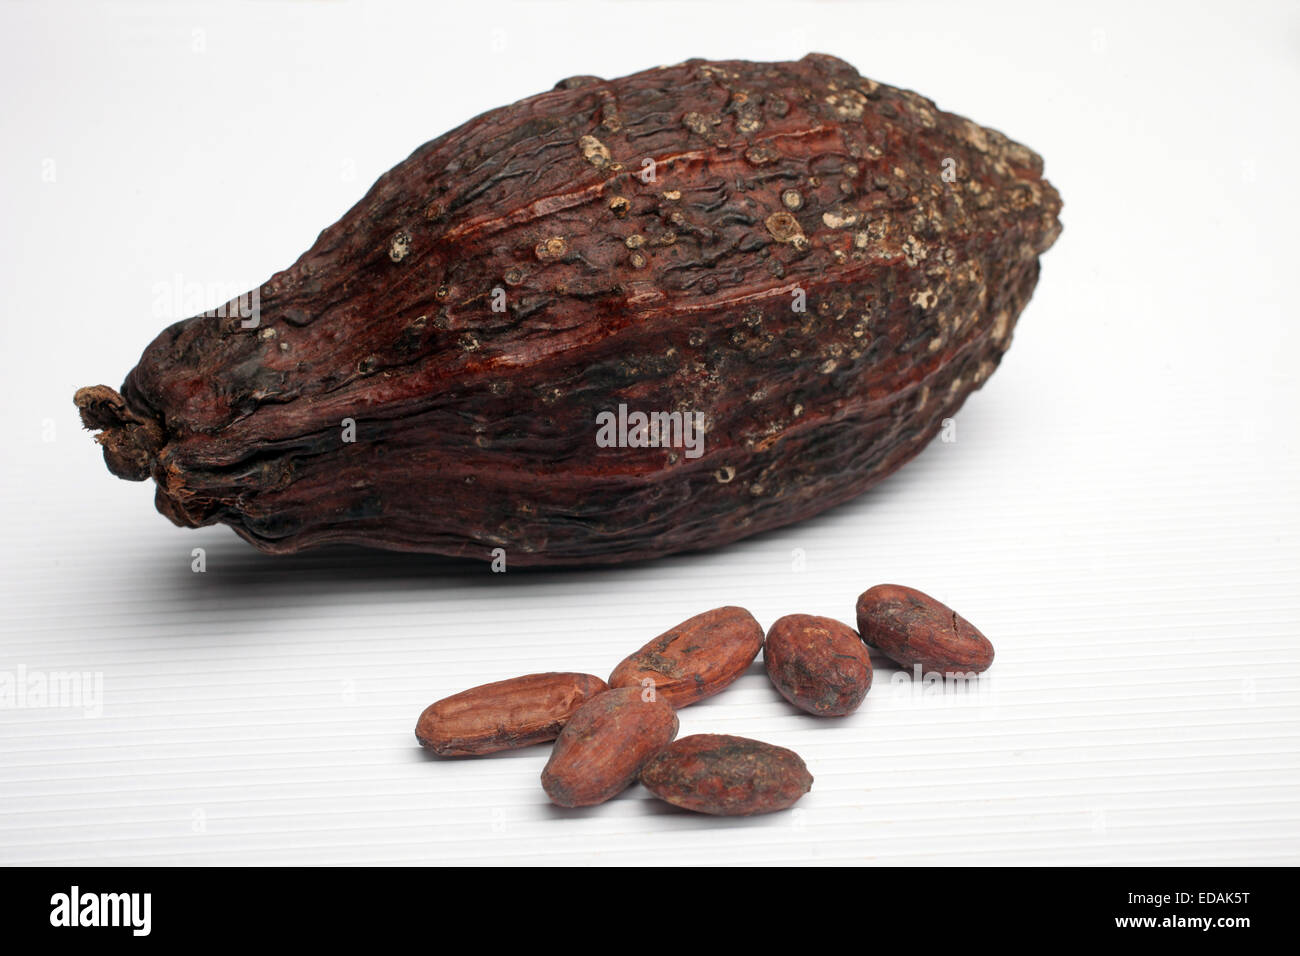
(522, 274)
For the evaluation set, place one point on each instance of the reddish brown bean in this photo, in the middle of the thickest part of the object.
(696, 659)
(505, 714)
(914, 629)
(818, 664)
(605, 745)
(727, 776)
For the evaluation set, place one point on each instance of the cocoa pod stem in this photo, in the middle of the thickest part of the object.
(130, 442)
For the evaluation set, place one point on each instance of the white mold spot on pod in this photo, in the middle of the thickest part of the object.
(548, 250)
(594, 151)
(399, 247)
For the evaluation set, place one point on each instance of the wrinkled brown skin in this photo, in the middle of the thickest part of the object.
(912, 628)
(505, 714)
(818, 664)
(475, 428)
(727, 776)
(696, 659)
(604, 746)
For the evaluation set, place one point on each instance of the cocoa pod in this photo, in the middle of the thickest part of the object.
(818, 664)
(913, 629)
(696, 659)
(604, 746)
(505, 714)
(809, 268)
(728, 776)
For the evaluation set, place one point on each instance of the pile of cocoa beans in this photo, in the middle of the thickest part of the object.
(609, 734)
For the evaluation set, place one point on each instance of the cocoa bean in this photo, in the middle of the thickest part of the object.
(912, 629)
(818, 664)
(605, 744)
(505, 714)
(696, 659)
(728, 776)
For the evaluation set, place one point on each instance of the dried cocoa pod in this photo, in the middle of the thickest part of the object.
(505, 714)
(818, 664)
(913, 629)
(696, 659)
(604, 746)
(727, 776)
(813, 267)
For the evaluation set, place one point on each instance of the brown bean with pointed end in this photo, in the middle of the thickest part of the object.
(912, 628)
(727, 776)
(505, 714)
(605, 745)
(818, 664)
(697, 658)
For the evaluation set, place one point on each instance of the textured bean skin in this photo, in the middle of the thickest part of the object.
(727, 776)
(818, 664)
(696, 659)
(505, 714)
(822, 268)
(605, 745)
(912, 628)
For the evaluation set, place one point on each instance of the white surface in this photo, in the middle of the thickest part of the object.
(1118, 513)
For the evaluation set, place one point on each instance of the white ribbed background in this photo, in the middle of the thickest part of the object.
(1118, 514)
